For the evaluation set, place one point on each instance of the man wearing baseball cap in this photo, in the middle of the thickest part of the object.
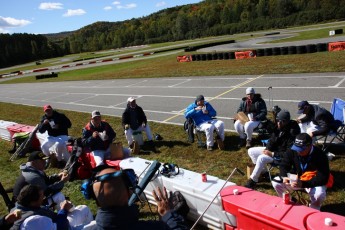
(33, 172)
(134, 119)
(202, 113)
(56, 125)
(280, 140)
(311, 166)
(98, 135)
(314, 119)
(254, 107)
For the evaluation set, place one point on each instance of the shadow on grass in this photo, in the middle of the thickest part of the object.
(338, 208)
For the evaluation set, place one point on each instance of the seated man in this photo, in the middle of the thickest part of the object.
(311, 166)
(255, 108)
(316, 120)
(134, 119)
(281, 139)
(33, 172)
(112, 197)
(202, 113)
(57, 125)
(98, 135)
(30, 203)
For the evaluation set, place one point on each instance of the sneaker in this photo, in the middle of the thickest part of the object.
(220, 144)
(242, 142)
(151, 143)
(248, 144)
(135, 148)
(209, 148)
(250, 184)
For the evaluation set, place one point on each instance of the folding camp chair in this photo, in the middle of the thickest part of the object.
(193, 131)
(337, 133)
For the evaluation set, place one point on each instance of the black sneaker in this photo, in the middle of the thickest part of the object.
(250, 184)
(242, 142)
(248, 144)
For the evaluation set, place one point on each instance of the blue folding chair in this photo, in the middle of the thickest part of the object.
(337, 133)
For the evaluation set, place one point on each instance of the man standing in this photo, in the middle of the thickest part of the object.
(316, 120)
(202, 113)
(311, 166)
(281, 139)
(255, 108)
(57, 125)
(134, 119)
(98, 135)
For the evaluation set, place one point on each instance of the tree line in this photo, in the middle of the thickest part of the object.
(207, 18)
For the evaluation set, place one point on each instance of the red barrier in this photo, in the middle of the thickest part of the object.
(245, 54)
(65, 66)
(184, 58)
(39, 70)
(336, 46)
(19, 128)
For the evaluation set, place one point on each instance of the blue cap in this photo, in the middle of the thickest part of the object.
(301, 106)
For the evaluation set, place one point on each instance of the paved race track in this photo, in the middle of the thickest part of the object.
(165, 99)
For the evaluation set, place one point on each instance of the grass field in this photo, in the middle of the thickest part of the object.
(174, 148)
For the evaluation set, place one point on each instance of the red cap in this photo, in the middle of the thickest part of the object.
(46, 107)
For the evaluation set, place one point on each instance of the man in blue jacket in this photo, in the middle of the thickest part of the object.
(202, 113)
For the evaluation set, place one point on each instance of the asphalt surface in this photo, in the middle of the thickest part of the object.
(165, 99)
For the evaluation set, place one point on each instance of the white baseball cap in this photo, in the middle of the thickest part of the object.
(130, 99)
(38, 222)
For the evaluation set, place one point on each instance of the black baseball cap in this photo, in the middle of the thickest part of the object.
(37, 155)
(302, 141)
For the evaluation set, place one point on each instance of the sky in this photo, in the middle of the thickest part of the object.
(43, 17)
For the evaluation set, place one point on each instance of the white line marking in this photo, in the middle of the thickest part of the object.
(188, 80)
(339, 83)
(134, 84)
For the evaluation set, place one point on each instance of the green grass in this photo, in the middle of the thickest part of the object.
(313, 34)
(174, 148)
(167, 66)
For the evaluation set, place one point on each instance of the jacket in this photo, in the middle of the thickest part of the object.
(97, 143)
(321, 117)
(197, 115)
(29, 175)
(59, 218)
(140, 119)
(127, 218)
(59, 119)
(316, 161)
(283, 139)
(258, 107)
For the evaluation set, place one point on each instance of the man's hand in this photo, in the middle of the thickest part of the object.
(198, 108)
(13, 216)
(95, 134)
(267, 153)
(64, 176)
(286, 180)
(46, 121)
(310, 133)
(66, 205)
(126, 126)
(143, 125)
(162, 200)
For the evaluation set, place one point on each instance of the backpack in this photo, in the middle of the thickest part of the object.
(179, 203)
